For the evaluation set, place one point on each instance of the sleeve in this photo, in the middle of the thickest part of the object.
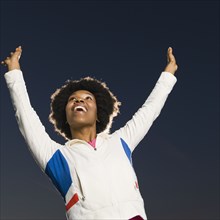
(38, 141)
(136, 128)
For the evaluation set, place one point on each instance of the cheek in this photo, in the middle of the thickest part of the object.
(96, 113)
(95, 108)
(67, 110)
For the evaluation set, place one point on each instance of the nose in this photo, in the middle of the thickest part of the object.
(78, 100)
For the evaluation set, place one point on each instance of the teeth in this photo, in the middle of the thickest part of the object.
(80, 107)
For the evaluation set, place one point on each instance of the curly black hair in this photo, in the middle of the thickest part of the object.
(107, 104)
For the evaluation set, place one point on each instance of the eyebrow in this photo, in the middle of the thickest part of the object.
(87, 93)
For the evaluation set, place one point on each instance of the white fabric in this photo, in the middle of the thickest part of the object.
(103, 179)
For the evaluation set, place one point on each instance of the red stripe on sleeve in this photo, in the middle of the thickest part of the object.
(72, 201)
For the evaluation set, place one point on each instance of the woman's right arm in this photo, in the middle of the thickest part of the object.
(38, 141)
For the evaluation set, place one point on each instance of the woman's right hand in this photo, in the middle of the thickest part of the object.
(12, 62)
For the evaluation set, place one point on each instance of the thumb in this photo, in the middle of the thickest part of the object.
(18, 52)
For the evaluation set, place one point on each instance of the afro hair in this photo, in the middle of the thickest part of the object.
(107, 105)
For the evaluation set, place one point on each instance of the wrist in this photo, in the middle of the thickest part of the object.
(13, 67)
(169, 71)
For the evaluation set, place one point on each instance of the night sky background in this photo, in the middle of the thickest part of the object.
(123, 43)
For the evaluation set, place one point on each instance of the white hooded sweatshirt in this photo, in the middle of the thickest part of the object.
(95, 184)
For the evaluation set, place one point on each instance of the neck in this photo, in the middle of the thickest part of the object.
(86, 133)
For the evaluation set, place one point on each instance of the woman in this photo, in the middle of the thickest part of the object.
(93, 171)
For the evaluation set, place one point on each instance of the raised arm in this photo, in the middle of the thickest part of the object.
(39, 142)
(135, 129)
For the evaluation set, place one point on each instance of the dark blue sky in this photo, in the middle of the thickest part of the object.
(123, 43)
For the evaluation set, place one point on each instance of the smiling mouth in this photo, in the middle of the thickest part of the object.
(80, 109)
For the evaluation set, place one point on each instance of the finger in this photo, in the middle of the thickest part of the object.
(18, 48)
(4, 63)
(18, 52)
(7, 61)
(169, 50)
(170, 56)
(11, 53)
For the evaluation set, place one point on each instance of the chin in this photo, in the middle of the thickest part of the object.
(81, 123)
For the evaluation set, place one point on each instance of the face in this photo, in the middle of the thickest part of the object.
(81, 109)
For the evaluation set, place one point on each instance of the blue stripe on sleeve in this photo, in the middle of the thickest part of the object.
(58, 171)
(127, 150)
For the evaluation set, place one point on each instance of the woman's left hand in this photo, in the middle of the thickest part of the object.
(171, 62)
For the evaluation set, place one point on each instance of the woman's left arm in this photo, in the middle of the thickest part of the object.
(136, 128)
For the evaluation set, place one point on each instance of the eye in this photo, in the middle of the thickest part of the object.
(88, 98)
(71, 99)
